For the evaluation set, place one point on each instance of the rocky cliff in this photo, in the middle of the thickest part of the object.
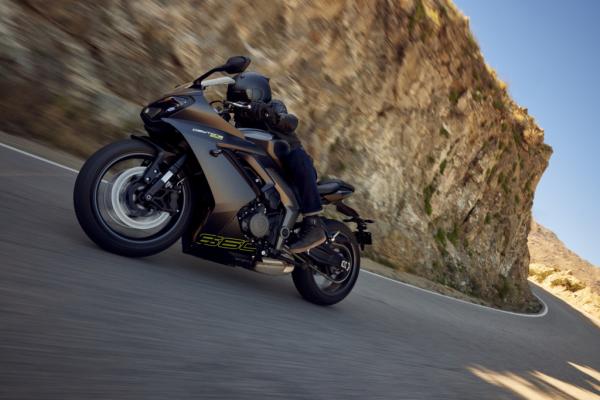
(562, 272)
(393, 96)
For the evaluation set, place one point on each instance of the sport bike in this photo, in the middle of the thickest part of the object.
(221, 189)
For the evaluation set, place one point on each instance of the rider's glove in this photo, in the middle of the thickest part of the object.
(265, 113)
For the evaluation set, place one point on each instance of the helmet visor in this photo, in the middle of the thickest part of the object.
(254, 94)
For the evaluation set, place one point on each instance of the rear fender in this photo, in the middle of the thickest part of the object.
(362, 234)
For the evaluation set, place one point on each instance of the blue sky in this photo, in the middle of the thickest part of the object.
(548, 52)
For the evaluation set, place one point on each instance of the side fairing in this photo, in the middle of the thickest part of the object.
(219, 237)
(229, 188)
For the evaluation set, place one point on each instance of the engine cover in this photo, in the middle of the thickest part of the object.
(255, 222)
(259, 225)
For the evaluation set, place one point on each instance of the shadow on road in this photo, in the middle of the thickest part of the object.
(534, 385)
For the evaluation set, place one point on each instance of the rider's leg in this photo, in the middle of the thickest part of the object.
(304, 177)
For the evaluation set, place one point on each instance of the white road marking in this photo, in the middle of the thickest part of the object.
(39, 158)
(543, 313)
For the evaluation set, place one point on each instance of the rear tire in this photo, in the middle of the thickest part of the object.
(304, 278)
(91, 219)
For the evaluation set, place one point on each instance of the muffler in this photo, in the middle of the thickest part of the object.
(271, 266)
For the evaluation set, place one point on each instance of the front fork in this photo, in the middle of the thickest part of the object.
(153, 175)
(156, 181)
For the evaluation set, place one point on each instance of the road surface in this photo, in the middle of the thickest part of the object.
(79, 323)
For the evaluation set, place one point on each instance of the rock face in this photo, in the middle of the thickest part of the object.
(393, 96)
(546, 248)
(562, 272)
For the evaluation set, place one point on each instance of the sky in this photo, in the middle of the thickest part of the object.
(548, 52)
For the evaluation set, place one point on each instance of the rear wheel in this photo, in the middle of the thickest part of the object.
(109, 207)
(327, 285)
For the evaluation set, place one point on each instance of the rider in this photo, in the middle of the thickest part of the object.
(271, 115)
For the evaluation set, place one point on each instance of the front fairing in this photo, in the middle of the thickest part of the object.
(199, 112)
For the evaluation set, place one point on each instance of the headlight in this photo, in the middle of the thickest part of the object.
(167, 106)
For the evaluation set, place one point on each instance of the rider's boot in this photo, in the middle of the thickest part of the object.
(312, 234)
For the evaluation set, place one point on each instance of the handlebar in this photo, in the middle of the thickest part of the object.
(254, 110)
(238, 105)
(262, 112)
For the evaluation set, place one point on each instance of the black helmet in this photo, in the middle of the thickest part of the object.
(249, 86)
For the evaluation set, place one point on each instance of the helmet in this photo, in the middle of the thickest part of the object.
(249, 86)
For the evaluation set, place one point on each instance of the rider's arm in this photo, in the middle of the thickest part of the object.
(275, 115)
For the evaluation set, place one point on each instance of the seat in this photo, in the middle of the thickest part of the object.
(329, 186)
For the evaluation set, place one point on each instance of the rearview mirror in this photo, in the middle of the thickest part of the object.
(236, 64)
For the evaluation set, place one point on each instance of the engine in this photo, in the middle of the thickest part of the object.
(255, 222)
(260, 220)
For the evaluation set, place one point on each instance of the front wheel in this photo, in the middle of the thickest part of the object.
(109, 207)
(322, 288)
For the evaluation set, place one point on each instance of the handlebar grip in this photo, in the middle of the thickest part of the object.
(288, 123)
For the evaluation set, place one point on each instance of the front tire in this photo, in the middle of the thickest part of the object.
(306, 279)
(115, 230)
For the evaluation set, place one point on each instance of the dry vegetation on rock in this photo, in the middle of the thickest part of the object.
(562, 272)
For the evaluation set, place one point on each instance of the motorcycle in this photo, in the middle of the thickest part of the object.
(221, 189)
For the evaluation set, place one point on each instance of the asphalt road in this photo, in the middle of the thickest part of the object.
(79, 323)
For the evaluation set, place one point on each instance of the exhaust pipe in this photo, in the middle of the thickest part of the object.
(271, 266)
